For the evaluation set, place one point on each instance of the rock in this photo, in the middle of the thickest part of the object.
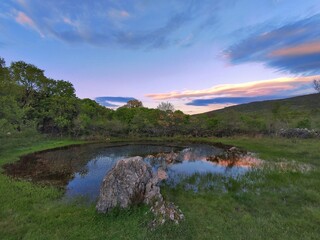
(299, 133)
(164, 211)
(162, 175)
(171, 157)
(231, 155)
(128, 182)
(131, 181)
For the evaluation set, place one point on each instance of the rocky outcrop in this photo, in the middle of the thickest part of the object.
(125, 185)
(130, 182)
(299, 133)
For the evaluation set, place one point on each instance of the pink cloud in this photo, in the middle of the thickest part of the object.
(23, 19)
(302, 49)
(249, 89)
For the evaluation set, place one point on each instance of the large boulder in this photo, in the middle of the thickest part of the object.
(129, 182)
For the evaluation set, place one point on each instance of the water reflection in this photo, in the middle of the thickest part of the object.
(81, 169)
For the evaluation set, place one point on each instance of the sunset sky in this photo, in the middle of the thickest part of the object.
(198, 55)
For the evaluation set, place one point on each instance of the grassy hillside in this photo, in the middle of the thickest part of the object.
(266, 116)
(306, 102)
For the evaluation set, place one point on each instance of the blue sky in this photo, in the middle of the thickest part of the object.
(199, 55)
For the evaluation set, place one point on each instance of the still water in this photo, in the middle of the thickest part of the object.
(81, 169)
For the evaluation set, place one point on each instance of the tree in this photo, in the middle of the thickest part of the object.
(10, 113)
(316, 85)
(30, 78)
(166, 106)
(134, 103)
(58, 88)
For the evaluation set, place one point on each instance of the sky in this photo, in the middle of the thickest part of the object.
(197, 55)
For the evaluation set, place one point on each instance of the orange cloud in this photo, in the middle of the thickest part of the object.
(23, 19)
(256, 88)
(302, 49)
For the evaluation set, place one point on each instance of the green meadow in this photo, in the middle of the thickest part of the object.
(267, 203)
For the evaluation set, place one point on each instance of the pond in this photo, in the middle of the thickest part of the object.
(81, 169)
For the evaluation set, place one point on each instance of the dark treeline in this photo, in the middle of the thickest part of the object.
(32, 103)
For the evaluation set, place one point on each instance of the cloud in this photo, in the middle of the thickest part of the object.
(157, 38)
(112, 23)
(23, 19)
(293, 48)
(302, 49)
(230, 100)
(115, 14)
(278, 86)
(113, 102)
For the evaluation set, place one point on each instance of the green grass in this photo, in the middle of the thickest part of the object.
(265, 204)
(272, 115)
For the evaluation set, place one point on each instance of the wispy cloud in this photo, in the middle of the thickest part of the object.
(298, 50)
(115, 14)
(250, 89)
(23, 19)
(112, 23)
(113, 102)
(293, 48)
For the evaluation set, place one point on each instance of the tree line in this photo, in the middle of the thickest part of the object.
(30, 102)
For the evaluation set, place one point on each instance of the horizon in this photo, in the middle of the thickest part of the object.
(199, 57)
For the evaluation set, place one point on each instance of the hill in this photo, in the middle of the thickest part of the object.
(271, 115)
(310, 102)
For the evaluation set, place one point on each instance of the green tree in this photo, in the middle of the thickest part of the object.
(30, 78)
(56, 114)
(58, 88)
(10, 113)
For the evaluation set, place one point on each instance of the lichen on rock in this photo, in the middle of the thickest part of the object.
(131, 181)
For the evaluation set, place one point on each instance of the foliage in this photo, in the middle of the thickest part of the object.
(30, 99)
(134, 103)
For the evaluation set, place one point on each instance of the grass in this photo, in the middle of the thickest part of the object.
(265, 204)
(265, 116)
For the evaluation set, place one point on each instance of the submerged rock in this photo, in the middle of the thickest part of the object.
(231, 156)
(163, 159)
(235, 157)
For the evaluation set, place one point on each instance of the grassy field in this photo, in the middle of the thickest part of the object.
(272, 203)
